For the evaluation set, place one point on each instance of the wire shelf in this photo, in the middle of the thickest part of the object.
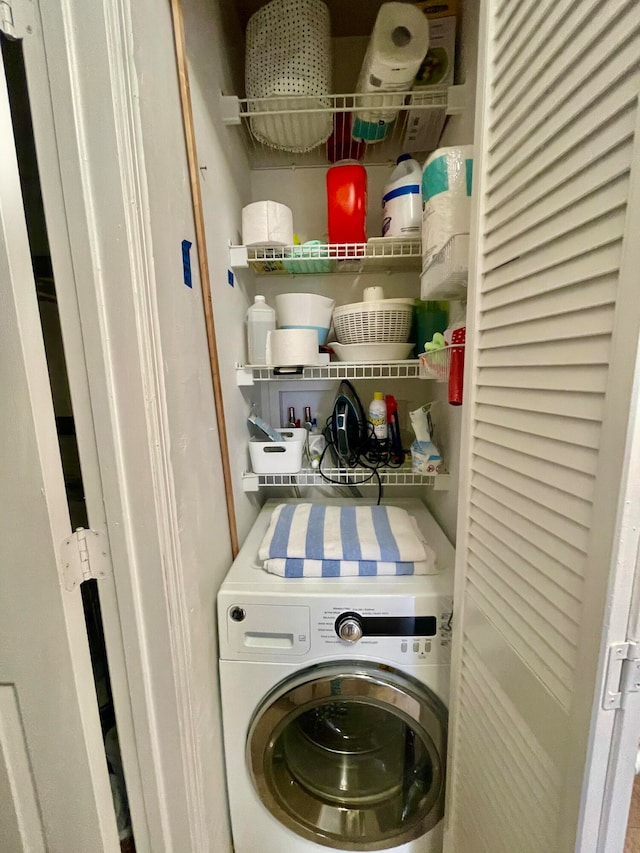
(291, 116)
(247, 374)
(378, 254)
(345, 476)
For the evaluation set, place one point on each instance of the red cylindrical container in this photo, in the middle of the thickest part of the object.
(456, 369)
(347, 202)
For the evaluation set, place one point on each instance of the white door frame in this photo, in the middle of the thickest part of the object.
(605, 797)
(82, 83)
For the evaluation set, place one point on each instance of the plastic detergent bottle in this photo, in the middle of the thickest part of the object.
(347, 202)
(378, 416)
(402, 200)
(261, 318)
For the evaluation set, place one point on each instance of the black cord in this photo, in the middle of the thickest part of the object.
(371, 453)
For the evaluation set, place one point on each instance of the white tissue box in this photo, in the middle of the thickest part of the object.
(278, 457)
(267, 223)
(425, 458)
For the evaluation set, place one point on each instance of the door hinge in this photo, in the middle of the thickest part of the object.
(84, 555)
(7, 25)
(623, 674)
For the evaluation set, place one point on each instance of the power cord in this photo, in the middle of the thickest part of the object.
(371, 453)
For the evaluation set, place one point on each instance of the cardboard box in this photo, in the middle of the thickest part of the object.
(433, 9)
(424, 127)
(437, 67)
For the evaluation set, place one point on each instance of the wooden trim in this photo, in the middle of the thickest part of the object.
(203, 262)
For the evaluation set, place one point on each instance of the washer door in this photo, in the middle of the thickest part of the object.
(351, 756)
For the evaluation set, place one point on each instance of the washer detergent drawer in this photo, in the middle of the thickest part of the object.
(268, 628)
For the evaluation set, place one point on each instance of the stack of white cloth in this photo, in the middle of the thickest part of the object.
(315, 540)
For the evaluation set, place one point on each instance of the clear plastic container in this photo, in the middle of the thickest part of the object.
(261, 319)
(347, 202)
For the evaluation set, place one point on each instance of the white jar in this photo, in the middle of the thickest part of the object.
(378, 416)
(261, 319)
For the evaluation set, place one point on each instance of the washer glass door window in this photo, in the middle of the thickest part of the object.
(351, 756)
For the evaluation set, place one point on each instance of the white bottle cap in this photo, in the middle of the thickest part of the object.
(259, 299)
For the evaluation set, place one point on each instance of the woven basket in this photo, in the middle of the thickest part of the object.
(373, 322)
(289, 54)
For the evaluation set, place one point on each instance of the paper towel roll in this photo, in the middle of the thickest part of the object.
(267, 223)
(398, 44)
(292, 347)
(446, 192)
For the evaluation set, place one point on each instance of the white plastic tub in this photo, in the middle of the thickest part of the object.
(278, 457)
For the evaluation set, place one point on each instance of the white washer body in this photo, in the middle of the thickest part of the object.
(286, 627)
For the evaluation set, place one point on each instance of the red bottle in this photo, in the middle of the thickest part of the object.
(347, 202)
(456, 369)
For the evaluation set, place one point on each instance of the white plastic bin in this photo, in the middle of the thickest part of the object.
(278, 457)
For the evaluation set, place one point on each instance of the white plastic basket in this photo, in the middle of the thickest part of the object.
(289, 54)
(278, 457)
(373, 322)
(437, 363)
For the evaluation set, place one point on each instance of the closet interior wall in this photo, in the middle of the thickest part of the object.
(215, 49)
(204, 554)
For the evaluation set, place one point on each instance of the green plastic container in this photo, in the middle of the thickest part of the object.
(429, 318)
(307, 252)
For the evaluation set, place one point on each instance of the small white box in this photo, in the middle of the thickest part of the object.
(278, 457)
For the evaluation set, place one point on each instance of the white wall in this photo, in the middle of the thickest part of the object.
(195, 455)
(216, 51)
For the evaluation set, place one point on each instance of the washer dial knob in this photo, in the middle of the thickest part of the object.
(349, 628)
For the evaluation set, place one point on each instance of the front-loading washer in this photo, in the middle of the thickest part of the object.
(334, 702)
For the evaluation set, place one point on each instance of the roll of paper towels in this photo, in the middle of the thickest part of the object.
(398, 44)
(292, 347)
(267, 223)
(446, 193)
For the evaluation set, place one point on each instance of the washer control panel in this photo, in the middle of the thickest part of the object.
(425, 635)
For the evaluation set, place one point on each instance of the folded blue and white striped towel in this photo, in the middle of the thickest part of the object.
(300, 568)
(350, 535)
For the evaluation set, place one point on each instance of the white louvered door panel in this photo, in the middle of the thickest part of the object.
(552, 337)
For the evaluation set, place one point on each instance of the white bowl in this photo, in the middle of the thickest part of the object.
(371, 352)
(305, 311)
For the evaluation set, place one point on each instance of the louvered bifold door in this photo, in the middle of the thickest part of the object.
(552, 335)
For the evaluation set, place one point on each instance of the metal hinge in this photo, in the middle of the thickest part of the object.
(7, 25)
(623, 674)
(84, 556)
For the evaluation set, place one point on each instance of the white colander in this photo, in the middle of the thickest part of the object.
(289, 54)
(386, 321)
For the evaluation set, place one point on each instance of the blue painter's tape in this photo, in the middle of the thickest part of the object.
(231, 278)
(186, 262)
